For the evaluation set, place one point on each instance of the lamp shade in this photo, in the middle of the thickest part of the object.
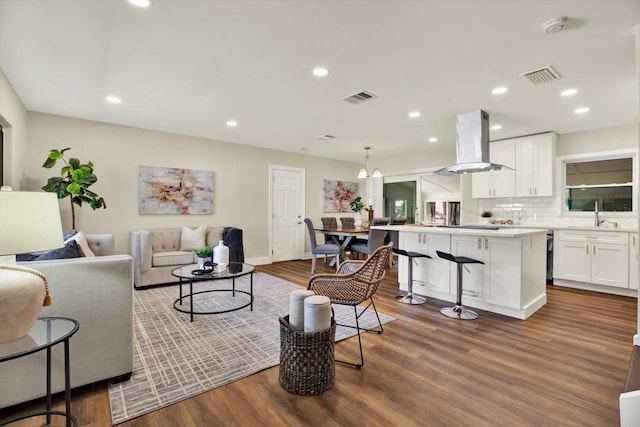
(29, 222)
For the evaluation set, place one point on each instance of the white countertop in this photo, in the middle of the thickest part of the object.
(501, 232)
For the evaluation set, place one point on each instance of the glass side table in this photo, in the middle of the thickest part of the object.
(47, 332)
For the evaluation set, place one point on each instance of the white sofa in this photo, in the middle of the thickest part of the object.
(97, 292)
(156, 252)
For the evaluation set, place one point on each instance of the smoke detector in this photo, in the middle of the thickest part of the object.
(555, 25)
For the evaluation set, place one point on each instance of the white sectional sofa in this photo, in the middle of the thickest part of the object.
(157, 251)
(97, 292)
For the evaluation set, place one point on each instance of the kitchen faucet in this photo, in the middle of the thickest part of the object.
(598, 221)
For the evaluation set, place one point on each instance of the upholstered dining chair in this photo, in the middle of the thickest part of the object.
(398, 221)
(355, 282)
(326, 249)
(380, 221)
(348, 222)
(394, 236)
(329, 222)
(375, 240)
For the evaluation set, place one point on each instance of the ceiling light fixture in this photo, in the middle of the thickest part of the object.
(568, 92)
(499, 90)
(113, 99)
(140, 3)
(581, 110)
(363, 172)
(414, 114)
(433, 139)
(320, 72)
(496, 127)
(232, 123)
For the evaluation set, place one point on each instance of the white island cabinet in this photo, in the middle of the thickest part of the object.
(510, 282)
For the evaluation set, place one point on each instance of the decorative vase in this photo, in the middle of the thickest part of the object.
(24, 291)
(221, 256)
(200, 262)
(358, 220)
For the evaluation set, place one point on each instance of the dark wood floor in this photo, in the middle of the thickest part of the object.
(564, 366)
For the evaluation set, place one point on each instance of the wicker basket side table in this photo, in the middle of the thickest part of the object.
(307, 362)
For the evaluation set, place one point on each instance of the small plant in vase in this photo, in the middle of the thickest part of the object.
(203, 254)
(357, 205)
(485, 215)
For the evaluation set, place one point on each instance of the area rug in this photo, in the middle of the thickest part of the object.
(175, 359)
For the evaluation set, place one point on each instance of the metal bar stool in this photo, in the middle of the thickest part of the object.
(410, 298)
(458, 311)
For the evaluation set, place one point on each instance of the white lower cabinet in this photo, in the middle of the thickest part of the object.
(599, 257)
(428, 274)
(633, 261)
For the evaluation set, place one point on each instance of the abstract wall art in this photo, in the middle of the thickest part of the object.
(338, 195)
(175, 191)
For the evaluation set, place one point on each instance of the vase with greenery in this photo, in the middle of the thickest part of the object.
(74, 182)
(485, 215)
(203, 254)
(357, 205)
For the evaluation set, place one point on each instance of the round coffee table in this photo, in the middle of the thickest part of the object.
(233, 271)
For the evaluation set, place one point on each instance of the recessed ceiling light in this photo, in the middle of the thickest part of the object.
(232, 123)
(569, 92)
(496, 127)
(320, 72)
(140, 3)
(433, 139)
(414, 114)
(113, 99)
(581, 110)
(499, 90)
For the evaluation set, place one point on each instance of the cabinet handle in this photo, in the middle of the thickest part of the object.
(634, 239)
(529, 190)
(535, 191)
(486, 244)
(587, 249)
(594, 249)
(479, 242)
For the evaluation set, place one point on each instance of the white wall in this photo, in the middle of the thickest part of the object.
(241, 184)
(603, 139)
(13, 117)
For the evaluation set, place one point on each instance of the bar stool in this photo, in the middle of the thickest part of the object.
(458, 311)
(410, 298)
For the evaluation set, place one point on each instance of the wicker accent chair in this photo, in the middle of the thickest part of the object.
(355, 283)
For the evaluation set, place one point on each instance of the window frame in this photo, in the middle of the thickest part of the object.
(590, 157)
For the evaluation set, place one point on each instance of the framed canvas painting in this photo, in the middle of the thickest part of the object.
(338, 195)
(175, 191)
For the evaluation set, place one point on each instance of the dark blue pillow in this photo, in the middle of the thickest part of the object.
(69, 235)
(70, 250)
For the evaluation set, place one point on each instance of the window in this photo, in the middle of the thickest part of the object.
(607, 181)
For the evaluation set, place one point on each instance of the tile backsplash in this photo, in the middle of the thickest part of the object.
(547, 210)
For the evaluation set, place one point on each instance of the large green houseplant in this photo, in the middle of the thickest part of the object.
(74, 182)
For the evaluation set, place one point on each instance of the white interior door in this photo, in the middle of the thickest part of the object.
(287, 208)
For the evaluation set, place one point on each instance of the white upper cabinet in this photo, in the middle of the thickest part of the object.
(497, 183)
(532, 157)
(535, 165)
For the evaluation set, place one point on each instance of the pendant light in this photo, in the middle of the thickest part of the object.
(363, 172)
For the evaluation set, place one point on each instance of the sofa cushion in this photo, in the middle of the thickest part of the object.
(214, 235)
(192, 239)
(69, 250)
(161, 259)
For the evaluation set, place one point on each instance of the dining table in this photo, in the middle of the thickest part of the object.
(347, 233)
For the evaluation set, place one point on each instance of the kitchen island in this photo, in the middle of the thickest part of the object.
(512, 280)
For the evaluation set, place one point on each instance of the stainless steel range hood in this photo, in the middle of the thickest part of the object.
(472, 145)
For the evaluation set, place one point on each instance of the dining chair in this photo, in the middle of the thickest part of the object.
(398, 221)
(355, 282)
(380, 221)
(375, 240)
(394, 236)
(325, 249)
(348, 222)
(329, 222)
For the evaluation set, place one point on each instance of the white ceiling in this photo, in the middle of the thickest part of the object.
(188, 66)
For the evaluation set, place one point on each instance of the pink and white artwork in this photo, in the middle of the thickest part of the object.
(175, 191)
(338, 195)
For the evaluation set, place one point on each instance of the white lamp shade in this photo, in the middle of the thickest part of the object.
(363, 173)
(29, 222)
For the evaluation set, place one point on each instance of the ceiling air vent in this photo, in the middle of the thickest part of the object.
(359, 98)
(542, 75)
(325, 137)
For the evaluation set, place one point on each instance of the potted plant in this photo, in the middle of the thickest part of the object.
(357, 205)
(485, 215)
(74, 182)
(202, 255)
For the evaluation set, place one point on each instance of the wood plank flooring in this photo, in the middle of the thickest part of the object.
(564, 366)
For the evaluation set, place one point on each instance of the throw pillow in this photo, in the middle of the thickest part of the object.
(192, 239)
(69, 235)
(83, 245)
(214, 235)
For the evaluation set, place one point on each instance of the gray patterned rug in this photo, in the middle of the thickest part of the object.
(175, 359)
